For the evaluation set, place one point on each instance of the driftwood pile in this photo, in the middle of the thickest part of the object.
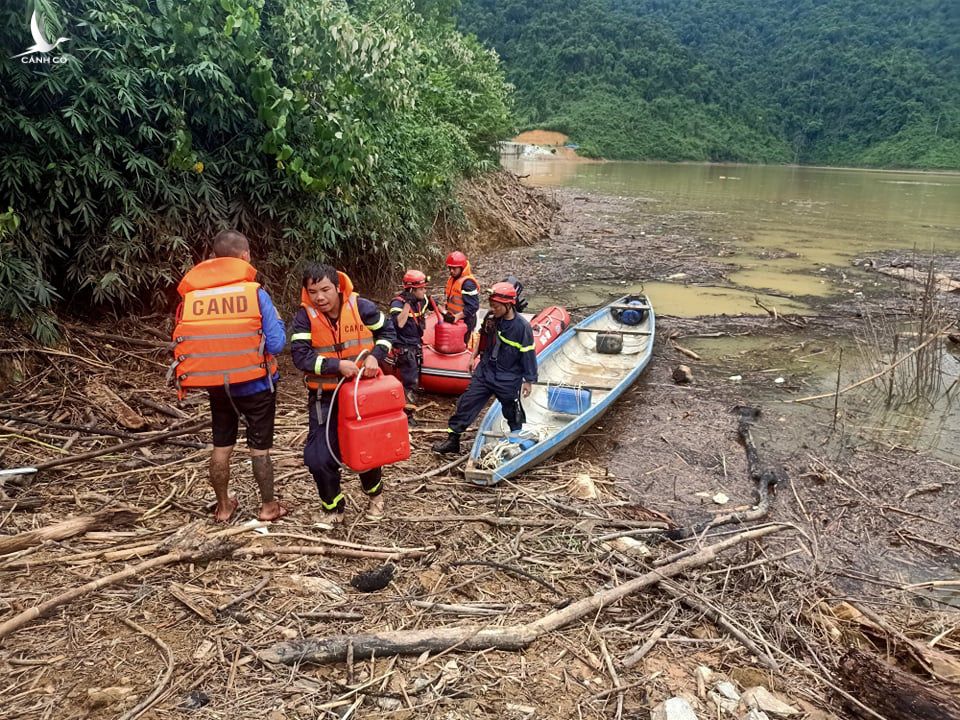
(561, 595)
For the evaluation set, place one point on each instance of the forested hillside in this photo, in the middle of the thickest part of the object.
(843, 82)
(321, 129)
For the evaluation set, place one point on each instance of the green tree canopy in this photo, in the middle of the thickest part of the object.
(858, 82)
(321, 129)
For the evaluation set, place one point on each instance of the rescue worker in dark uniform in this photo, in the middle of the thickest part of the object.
(507, 369)
(408, 312)
(463, 293)
(331, 330)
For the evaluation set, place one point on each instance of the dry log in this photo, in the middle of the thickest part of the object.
(162, 408)
(895, 693)
(475, 638)
(146, 440)
(209, 549)
(686, 351)
(117, 517)
(103, 397)
(93, 429)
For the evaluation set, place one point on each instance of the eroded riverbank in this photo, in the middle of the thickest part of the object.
(862, 522)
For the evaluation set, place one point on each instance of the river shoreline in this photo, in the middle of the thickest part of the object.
(864, 525)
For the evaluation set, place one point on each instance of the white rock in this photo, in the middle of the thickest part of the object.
(450, 673)
(583, 487)
(720, 499)
(704, 675)
(630, 546)
(779, 381)
(725, 704)
(313, 584)
(727, 689)
(762, 699)
(673, 709)
(735, 378)
(203, 649)
(525, 710)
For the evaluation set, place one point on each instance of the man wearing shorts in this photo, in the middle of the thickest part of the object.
(227, 337)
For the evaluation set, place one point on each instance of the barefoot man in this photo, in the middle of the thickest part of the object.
(227, 336)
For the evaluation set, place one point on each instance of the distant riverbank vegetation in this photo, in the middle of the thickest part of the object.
(833, 82)
(322, 129)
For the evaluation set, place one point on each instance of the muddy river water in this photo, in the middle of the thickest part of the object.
(783, 225)
(794, 236)
(705, 243)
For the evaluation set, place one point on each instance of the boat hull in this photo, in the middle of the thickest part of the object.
(572, 361)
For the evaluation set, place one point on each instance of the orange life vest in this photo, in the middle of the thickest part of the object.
(454, 290)
(346, 341)
(218, 338)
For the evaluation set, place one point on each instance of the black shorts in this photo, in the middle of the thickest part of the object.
(259, 411)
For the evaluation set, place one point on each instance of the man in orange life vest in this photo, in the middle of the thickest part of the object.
(228, 333)
(463, 293)
(332, 328)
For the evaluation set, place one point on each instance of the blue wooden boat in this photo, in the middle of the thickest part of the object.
(581, 374)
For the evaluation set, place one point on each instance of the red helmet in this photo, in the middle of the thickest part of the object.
(457, 259)
(503, 292)
(414, 279)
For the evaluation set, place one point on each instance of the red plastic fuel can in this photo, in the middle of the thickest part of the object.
(449, 338)
(372, 427)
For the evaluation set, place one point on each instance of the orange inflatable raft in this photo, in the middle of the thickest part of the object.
(449, 374)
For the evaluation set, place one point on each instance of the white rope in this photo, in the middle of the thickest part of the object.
(496, 454)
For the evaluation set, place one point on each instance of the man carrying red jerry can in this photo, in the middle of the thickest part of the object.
(508, 367)
(463, 293)
(336, 336)
(408, 312)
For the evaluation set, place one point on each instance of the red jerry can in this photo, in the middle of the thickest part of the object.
(372, 426)
(449, 337)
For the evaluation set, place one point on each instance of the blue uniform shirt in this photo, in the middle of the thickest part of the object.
(510, 352)
(275, 338)
(411, 334)
(471, 302)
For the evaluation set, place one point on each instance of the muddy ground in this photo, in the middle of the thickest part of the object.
(866, 520)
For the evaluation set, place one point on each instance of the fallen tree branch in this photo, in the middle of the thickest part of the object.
(338, 551)
(202, 549)
(633, 658)
(507, 569)
(117, 517)
(148, 701)
(94, 430)
(474, 638)
(146, 440)
(894, 693)
(876, 375)
(718, 618)
(436, 471)
(685, 351)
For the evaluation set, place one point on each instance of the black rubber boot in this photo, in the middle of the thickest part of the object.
(450, 446)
